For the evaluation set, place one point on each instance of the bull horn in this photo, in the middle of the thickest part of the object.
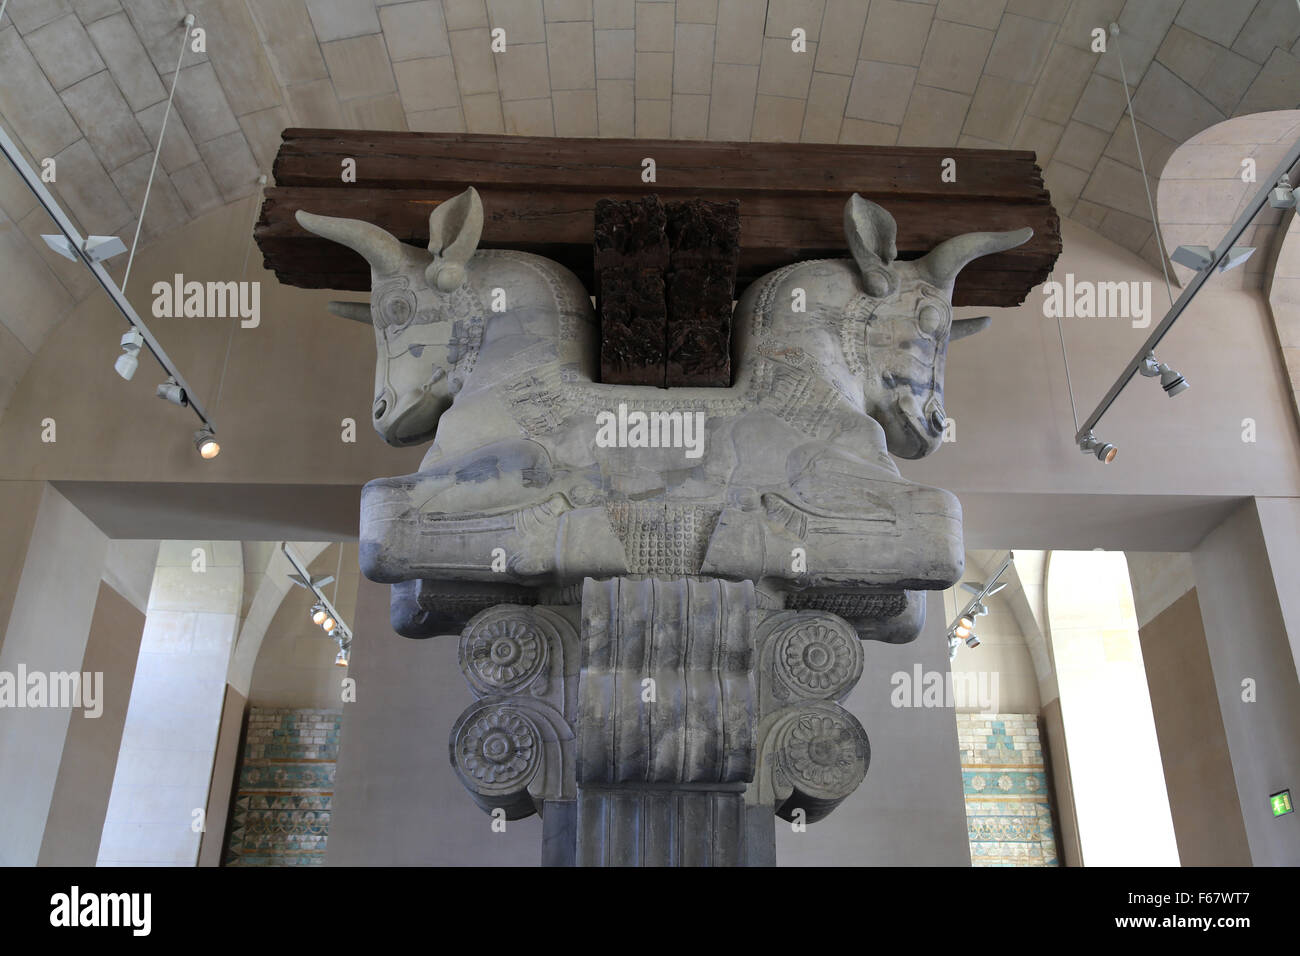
(356, 311)
(380, 247)
(942, 263)
(964, 327)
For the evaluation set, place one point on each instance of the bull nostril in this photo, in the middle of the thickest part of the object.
(938, 420)
(381, 406)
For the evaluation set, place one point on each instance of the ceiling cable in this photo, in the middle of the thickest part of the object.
(185, 36)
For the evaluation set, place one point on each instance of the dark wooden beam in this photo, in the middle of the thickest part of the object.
(539, 195)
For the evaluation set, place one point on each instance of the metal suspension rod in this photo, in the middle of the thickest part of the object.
(1194, 286)
(101, 275)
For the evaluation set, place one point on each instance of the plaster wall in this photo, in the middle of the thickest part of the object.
(48, 629)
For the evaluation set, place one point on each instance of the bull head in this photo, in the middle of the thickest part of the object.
(416, 298)
(910, 322)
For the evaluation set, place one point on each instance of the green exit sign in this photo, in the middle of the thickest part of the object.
(1281, 803)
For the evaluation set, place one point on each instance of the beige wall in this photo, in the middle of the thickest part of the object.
(1193, 747)
(47, 632)
(80, 800)
(1241, 574)
(225, 764)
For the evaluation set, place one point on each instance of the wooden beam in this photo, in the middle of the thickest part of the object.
(539, 195)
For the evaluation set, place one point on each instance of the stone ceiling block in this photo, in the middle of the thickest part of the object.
(476, 64)
(616, 55)
(1102, 103)
(827, 97)
(1081, 145)
(202, 103)
(97, 105)
(615, 14)
(239, 57)
(783, 73)
(1215, 20)
(954, 56)
(840, 42)
(570, 48)
(37, 115)
(1276, 88)
(342, 19)
(654, 27)
(1142, 26)
(529, 117)
(654, 76)
(975, 13)
(880, 92)
(1169, 105)
(693, 59)
(521, 19)
(166, 211)
(1040, 136)
(231, 165)
(1020, 48)
(1068, 70)
(290, 41)
(483, 113)
(615, 108)
(1273, 23)
(697, 11)
(896, 31)
(784, 15)
(415, 30)
(561, 10)
(428, 84)
(29, 15)
(359, 67)
(934, 117)
(731, 109)
(178, 146)
(575, 112)
(197, 190)
(522, 72)
(653, 118)
(740, 32)
(127, 60)
(91, 10)
(777, 119)
(64, 51)
(89, 195)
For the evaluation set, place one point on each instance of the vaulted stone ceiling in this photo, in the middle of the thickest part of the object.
(85, 82)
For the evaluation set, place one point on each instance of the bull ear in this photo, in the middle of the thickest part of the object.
(872, 235)
(942, 263)
(964, 327)
(380, 247)
(455, 227)
(356, 311)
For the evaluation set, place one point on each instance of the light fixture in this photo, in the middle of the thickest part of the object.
(205, 442)
(1235, 257)
(963, 628)
(129, 360)
(328, 623)
(1105, 451)
(1170, 380)
(317, 613)
(1282, 196)
(972, 641)
(345, 651)
(1195, 258)
(173, 393)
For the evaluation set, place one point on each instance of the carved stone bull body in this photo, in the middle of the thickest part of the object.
(795, 488)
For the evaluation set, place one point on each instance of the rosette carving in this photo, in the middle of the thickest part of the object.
(820, 756)
(497, 750)
(503, 649)
(816, 657)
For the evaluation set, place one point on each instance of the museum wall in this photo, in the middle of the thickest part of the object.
(85, 780)
(397, 801)
(1193, 747)
(48, 628)
(1240, 577)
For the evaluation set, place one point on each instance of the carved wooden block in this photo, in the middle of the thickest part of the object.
(631, 254)
(704, 244)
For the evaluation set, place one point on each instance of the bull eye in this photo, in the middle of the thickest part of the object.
(398, 307)
(929, 319)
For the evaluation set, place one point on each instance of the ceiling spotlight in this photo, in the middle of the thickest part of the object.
(318, 613)
(1104, 451)
(341, 660)
(1282, 196)
(1195, 258)
(129, 360)
(173, 393)
(206, 443)
(972, 641)
(1171, 381)
(328, 623)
